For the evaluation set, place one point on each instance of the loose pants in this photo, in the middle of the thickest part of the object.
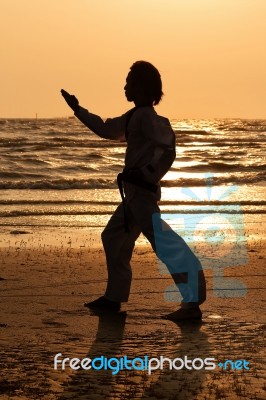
(143, 215)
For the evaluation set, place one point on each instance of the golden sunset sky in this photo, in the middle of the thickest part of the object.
(211, 55)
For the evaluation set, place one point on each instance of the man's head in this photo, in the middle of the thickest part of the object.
(143, 84)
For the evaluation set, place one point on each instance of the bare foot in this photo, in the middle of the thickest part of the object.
(104, 304)
(185, 314)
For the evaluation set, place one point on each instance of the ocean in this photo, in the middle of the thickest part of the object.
(56, 172)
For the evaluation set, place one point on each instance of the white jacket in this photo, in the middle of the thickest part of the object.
(150, 141)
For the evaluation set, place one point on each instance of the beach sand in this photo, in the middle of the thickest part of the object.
(47, 274)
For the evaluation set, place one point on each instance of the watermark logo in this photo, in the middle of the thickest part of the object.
(216, 237)
(145, 363)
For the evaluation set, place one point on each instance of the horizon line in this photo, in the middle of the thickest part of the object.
(170, 118)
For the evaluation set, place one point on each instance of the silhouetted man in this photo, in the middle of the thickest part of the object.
(149, 155)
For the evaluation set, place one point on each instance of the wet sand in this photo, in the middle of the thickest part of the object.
(48, 274)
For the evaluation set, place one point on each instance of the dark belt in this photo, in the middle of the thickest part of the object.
(123, 177)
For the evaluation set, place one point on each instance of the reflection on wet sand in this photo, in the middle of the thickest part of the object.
(176, 341)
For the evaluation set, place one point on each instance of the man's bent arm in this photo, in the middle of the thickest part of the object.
(112, 128)
(160, 133)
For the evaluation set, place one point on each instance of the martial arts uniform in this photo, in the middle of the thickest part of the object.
(150, 150)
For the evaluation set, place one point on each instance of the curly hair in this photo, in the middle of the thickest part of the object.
(148, 77)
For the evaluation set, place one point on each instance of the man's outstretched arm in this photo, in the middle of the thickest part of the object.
(112, 128)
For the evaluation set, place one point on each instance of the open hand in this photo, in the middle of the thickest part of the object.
(71, 100)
